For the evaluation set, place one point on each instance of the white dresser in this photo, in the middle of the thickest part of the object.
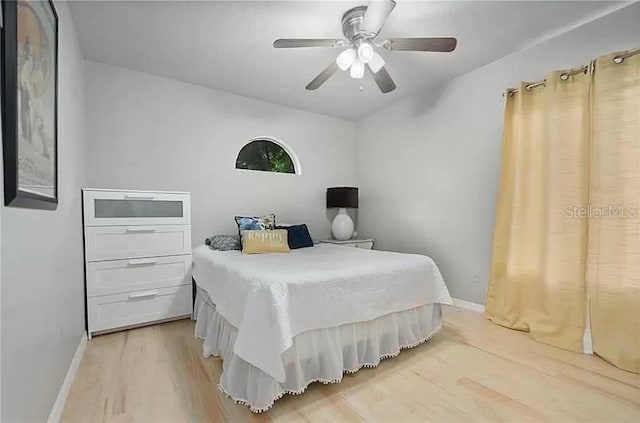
(137, 257)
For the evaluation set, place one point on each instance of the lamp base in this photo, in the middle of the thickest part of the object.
(342, 226)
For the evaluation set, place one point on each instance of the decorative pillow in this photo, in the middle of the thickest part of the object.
(297, 236)
(255, 223)
(269, 241)
(224, 242)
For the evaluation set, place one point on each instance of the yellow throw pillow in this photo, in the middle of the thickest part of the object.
(269, 241)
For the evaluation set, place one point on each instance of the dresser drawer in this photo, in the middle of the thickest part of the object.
(122, 242)
(115, 311)
(119, 276)
(103, 208)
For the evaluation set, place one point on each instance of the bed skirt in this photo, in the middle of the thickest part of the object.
(321, 355)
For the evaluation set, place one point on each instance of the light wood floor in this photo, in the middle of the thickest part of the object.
(471, 371)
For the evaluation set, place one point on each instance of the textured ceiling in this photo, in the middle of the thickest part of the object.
(227, 45)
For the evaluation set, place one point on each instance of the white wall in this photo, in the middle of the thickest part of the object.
(42, 263)
(151, 133)
(428, 167)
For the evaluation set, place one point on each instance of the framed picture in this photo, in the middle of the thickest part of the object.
(30, 103)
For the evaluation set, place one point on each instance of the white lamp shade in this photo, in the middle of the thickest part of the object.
(345, 59)
(357, 69)
(376, 63)
(365, 52)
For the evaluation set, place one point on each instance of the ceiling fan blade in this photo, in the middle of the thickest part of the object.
(323, 76)
(444, 45)
(383, 80)
(377, 12)
(308, 42)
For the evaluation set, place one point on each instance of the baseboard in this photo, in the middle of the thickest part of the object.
(587, 342)
(467, 305)
(58, 406)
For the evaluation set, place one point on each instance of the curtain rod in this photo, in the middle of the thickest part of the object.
(565, 75)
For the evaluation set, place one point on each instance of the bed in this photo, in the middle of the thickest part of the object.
(282, 321)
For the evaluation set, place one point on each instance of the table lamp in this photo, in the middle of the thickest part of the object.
(342, 198)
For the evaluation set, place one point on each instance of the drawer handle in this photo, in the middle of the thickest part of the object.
(145, 294)
(140, 230)
(139, 197)
(141, 262)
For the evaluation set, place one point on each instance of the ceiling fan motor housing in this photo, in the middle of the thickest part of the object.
(351, 23)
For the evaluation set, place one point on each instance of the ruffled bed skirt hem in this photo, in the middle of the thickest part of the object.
(322, 355)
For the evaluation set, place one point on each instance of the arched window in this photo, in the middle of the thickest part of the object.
(267, 155)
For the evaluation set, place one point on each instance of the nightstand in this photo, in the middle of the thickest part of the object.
(366, 244)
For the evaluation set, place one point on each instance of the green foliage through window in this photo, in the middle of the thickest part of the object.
(265, 155)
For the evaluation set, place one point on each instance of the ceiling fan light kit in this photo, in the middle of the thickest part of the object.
(345, 59)
(360, 26)
(357, 69)
(376, 63)
(365, 52)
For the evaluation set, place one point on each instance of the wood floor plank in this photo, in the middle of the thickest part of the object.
(471, 371)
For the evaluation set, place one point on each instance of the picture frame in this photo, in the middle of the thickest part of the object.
(29, 86)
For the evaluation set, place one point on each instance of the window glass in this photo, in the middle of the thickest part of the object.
(265, 155)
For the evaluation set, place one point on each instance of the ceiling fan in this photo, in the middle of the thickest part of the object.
(360, 26)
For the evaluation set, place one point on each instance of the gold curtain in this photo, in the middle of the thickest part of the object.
(540, 242)
(568, 214)
(614, 226)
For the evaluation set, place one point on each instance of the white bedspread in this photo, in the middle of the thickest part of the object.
(270, 298)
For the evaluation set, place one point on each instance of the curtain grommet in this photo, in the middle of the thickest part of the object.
(618, 59)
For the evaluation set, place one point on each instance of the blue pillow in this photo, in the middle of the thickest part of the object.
(297, 236)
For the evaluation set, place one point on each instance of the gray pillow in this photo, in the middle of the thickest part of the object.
(224, 242)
